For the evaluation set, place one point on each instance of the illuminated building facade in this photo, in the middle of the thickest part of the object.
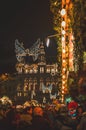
(40, 78)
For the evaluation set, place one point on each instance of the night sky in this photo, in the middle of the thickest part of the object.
(25, 20)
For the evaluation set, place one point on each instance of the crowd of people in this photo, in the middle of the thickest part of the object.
(48, 117)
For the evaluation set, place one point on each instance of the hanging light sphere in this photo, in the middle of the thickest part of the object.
(63, 82)
(63, 76)
(63, 23)
(64, 69)
(63, 39)
(63, 50)
(63, 87)
(63, 12)
(63, 32)
(64, 61)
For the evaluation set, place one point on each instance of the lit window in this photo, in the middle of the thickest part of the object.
(35, 70)
(48, 70)
(26, 71)
(31, 71)
(41, 69)
(52, 70)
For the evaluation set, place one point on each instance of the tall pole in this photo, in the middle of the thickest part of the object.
(62, 24)
(64, 41)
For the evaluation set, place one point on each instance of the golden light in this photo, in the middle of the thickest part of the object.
(55, 3)
(63, 97)
(64, 61)
(63, 76)
(72, 37)
(70, 60)
(64, 69)
(63, 82)
(26, 70)
(71, 49)
(63, 87)
(62, 91)
(64, 24)
(66, 44)
(63, 50)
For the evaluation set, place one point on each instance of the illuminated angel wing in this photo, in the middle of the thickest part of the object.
(43, 88)
(50, 88)
(20, 50)
(53, 96)
(34, 50)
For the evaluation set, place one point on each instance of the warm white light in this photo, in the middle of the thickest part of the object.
(63, 23)
(47, 42)
(63, 76)
(63, 32)
(63, 50)
(63, 61)
(26, 70)
(63, 82)
(63, 12)
(62, 91)
(64, 69)
(63, 39)
(71, 49)
(72, 37)
(63, 87)
(71, 60)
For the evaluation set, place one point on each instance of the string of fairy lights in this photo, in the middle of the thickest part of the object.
(63, 41)
(67, 46)
(62, 26)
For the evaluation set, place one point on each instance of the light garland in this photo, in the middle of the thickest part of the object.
(63, 30)
(62, 24)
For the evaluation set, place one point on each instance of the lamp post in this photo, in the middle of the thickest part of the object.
(48, 38)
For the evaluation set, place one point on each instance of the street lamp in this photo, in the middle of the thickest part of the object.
(63, 65)
(49, 37)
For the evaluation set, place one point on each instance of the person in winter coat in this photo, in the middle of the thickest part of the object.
(38, 121)
(82, 125)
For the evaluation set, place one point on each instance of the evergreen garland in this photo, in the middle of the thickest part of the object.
(55, 7)
(77, 20)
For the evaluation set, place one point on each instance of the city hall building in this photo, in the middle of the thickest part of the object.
(39, 78)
